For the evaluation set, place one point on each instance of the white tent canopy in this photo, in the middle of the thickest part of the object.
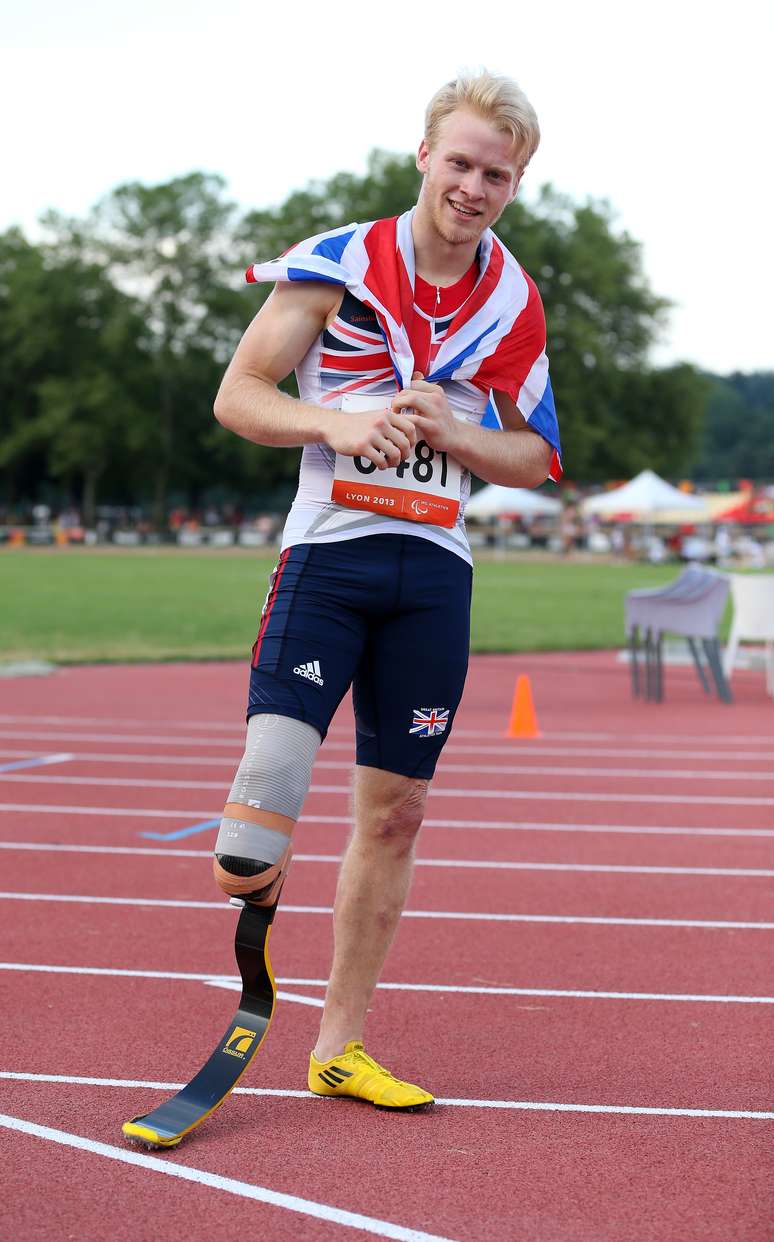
(495, 501)
(643, 496)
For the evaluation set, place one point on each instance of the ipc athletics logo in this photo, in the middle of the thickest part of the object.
(238, 1042)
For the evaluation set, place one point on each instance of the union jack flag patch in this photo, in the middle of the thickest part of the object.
(428, 721)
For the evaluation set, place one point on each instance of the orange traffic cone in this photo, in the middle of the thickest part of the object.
(523, 722)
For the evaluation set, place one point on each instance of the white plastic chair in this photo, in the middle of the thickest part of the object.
(692, 605)
(753, 598)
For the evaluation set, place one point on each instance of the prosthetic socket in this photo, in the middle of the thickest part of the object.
(253, 849)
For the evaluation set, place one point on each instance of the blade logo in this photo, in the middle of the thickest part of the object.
(241, 1040)
(310, 670)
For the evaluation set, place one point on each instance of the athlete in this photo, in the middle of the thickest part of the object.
(409, 337)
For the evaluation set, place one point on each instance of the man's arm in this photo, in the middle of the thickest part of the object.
(513, 457)
(249, 403)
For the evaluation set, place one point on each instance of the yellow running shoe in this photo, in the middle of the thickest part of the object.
(353, 1073)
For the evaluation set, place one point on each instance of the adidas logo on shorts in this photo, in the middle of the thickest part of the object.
(311, 671)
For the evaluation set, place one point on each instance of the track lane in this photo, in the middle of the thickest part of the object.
(701, 845)
(218, 759)
(193, 1200)
(559, 1176)
(754, 809)
(582, 894)
(556, 1176)
(719, 1054)
(642, 959)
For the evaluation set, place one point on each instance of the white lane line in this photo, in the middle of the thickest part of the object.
(522, 1105)
(50, 808)
(535, 748)
(245, 1190)
(124, 721)
(458, 915)
(232, 981)
(703, 739)
(476, 864)
(539, 747)
(234, 985)
(533, 769)
(531, 795)
(590, 868)
(159, 851)
(344, 821)
(621, 1109)
(286, 996)
(613, 772)
(234, 743)
(178, 727)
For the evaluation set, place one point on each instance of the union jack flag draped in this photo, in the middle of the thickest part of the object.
(496, 341)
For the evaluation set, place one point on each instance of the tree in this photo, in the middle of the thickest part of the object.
(70, 344)
(171, 245)
(738, 440)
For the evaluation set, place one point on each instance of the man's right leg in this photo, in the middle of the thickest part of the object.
(308, 646)
(253, 849)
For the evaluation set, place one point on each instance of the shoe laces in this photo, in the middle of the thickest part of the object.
(360, 1054)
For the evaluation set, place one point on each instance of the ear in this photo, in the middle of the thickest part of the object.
(423, 157)
(516, 184)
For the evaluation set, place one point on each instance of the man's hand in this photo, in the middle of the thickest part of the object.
(430, 413)
(384, 437)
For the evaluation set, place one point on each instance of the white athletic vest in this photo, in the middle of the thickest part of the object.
(352, 352)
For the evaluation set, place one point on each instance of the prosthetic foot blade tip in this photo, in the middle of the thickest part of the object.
(144, 1135)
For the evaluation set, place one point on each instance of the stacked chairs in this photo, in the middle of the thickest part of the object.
(691, 606)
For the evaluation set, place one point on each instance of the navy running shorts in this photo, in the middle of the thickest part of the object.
(388, 615)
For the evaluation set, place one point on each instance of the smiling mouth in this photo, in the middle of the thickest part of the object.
(468, 212)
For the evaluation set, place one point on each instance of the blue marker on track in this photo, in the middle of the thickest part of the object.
(181, 832)
(39, 761)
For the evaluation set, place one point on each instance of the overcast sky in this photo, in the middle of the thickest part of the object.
(664, 109)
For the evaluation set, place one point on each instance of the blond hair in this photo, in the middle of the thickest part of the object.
(498, 100)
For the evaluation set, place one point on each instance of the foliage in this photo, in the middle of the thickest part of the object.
(739, 430)
(66, 336)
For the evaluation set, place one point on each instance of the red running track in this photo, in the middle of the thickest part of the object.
(593, 1005)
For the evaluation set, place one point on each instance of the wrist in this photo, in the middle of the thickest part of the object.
(460, 437)
(321, 424)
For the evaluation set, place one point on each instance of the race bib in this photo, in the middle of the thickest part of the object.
(425, 488)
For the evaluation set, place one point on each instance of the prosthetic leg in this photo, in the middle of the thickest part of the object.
(252, 856)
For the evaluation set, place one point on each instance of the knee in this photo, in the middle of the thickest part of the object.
(276, 768)
(252, 852)
(396, 820)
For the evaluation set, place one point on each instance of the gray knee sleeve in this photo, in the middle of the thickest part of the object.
(276, 768)
(274, 775)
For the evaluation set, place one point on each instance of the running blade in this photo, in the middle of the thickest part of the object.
(166, 1125)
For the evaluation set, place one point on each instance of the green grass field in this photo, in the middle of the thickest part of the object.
(76, 606)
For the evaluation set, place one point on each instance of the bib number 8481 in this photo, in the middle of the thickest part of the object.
(422, 467)
(424, 488)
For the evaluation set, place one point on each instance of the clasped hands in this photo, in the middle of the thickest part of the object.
(386, 437)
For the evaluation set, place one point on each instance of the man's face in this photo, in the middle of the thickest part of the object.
(471, 175)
